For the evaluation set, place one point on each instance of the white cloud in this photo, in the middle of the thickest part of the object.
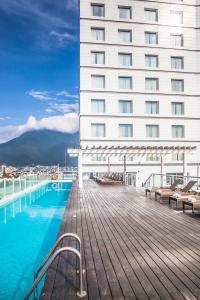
(66, 94)
(63, 38)
(67, 123)
(49, 110)
(66, 108)
(40, 95)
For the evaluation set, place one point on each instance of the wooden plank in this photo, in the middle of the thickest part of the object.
(133, 248)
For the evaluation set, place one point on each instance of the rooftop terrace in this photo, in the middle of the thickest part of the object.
(133, 247)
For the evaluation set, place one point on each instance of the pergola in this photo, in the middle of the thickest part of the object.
(126, 151)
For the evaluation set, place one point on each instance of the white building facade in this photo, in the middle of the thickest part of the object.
(140, 82)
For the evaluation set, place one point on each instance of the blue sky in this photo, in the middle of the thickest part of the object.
(39, 70)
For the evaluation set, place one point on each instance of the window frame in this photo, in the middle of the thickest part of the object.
(151, 33)
(99, 5)
(125, 7)
(151, 10)
(151, 135)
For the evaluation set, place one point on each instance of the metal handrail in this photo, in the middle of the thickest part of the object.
(65, 235)
(81, 293)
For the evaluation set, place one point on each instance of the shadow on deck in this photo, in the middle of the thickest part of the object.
(133, 248)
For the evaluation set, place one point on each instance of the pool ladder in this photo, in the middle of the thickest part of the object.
(49, 259)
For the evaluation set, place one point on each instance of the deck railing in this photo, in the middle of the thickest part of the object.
(160, 180)
(9, 186)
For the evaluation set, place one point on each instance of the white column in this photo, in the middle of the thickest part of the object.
(108, 164)
(124, 169)
(185, 166)
(161, 168)
(80, 170)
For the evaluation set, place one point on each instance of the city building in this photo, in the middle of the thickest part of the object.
(140, 84)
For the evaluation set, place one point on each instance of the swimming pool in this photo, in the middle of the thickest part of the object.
(28, 229)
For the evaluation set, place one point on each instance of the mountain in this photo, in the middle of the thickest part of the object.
(43, 147)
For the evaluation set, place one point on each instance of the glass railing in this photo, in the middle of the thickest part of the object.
(9, 186)
(162, 180)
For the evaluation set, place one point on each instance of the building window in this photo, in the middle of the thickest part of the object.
(177, 156)
(177, 62)
(125, 106)
(152, 107)
(176, 40)
(151, 61)
(178, 131)
(177, 108)
(151, 84)
(125, 59)
(176, 17)
(97, 58)
(125, 82)
(125, 12)
(125, 130)
(151, 38)
(98, 130)
(151, 15)
(125, 36)
(98, 105)
(128, 158)
(98, 81)
(177, 85)
(98, 34)
(98, 157)
(152, 131)
(98, 10)
(152, 157)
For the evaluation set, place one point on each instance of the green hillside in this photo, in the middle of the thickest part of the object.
(42, 147)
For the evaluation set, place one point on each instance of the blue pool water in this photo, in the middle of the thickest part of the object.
(28, 229)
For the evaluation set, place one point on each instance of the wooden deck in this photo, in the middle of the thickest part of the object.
(133, 248)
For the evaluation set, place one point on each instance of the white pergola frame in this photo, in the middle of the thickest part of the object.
(125, 151)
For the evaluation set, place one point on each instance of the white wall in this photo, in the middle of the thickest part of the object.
(138, 71)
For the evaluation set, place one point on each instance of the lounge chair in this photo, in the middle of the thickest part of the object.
(193, 202)
(153, 189)
(166, 193)
(179, 198)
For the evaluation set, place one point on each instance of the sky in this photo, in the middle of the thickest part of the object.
(39, 69)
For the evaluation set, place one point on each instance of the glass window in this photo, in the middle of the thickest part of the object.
(177, 62)
(177, 156)
(124, 12)
(98, 34)
(125, 36)
(177, 108)
(125, 130)
(98, 130)
(98, 105)
(97, 58)
(177, 85)
(176, 17)
(152, 107)
(151, 61)
(152, 131)
(151, 84)
(178, 131)
(125, 106)
(128, 158)
(151, 15)
(98, 81)
(152, 157)
(125, 59)
(98, 157)
(125, 82)
(151, 38)
(98, 10)
(176, 40)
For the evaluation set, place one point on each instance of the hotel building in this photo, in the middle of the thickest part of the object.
(140, 82)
